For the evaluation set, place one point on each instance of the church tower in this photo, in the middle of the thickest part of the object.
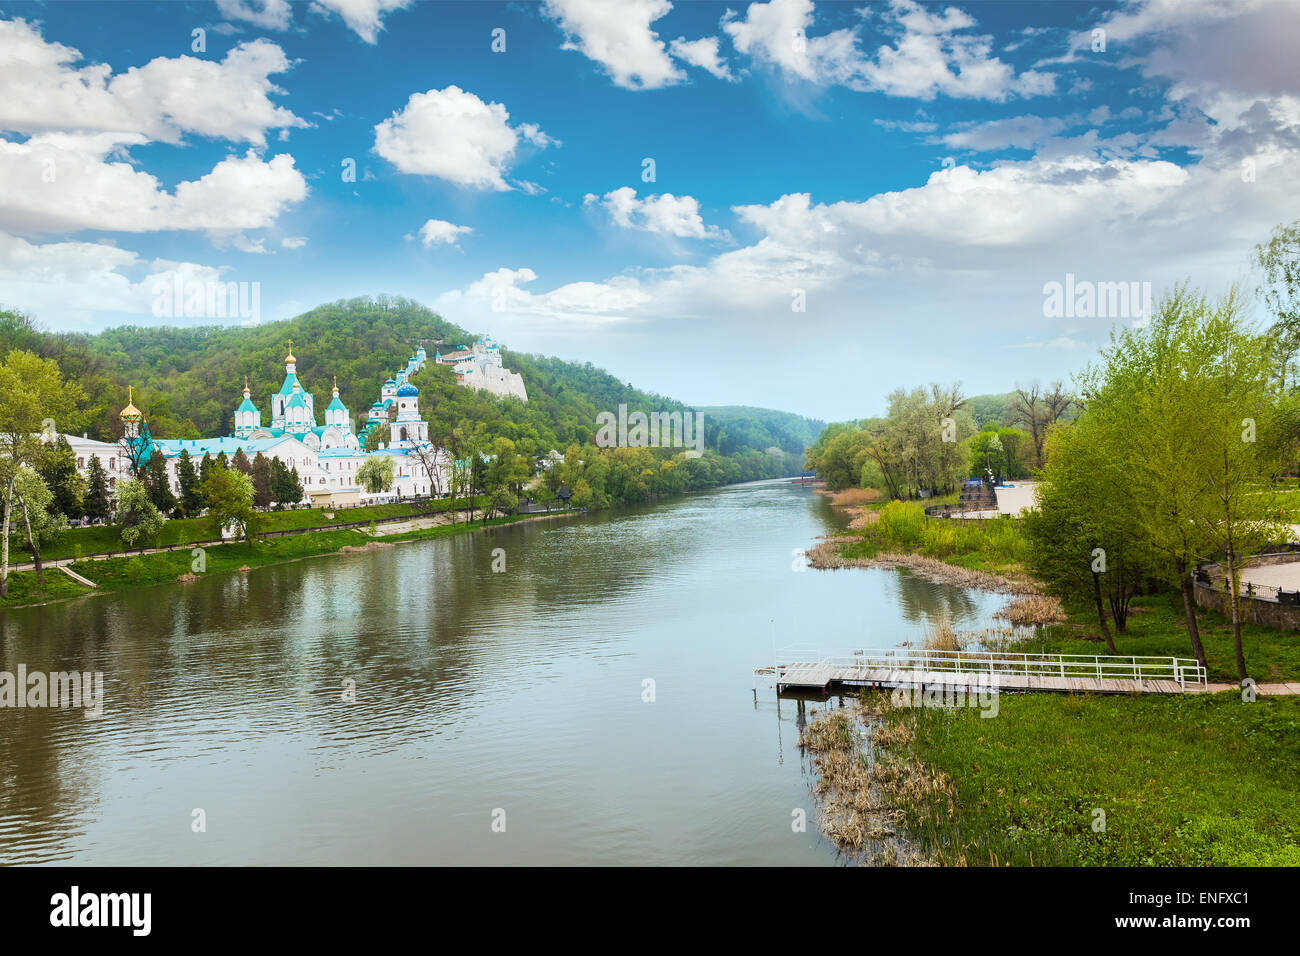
(293, 409)
(247, 417)
(131, 416)
(336, 413)
(408, 428)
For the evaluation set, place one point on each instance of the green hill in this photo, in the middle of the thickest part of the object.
(188, 381)
(731, 427)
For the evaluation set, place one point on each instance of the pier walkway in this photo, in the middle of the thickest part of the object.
(804, 669)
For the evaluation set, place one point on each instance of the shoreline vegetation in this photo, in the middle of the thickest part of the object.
(1054, 779)
(990, 555)
(177, 567)
(1057, 780)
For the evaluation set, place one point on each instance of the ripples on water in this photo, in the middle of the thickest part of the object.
(473, 691)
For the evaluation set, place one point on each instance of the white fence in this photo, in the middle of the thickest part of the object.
(1004, 666)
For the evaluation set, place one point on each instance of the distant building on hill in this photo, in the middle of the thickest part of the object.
(479, 366)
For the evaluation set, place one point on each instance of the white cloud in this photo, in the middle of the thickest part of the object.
(60, 182)
(619, 38)
(293, 242)
(267, 14)
(989, 238)
(575, 304)
(454, 135)
(931, 55)
(41, 90)
(68, 285)
(1195, 46)
(364, 17)
(776, 33)
(664, 214)
(1018, 132)
(702, 53)
(439, 231)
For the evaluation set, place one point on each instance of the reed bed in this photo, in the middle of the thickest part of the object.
(1033, 610)
(864, 781)
(942, 636)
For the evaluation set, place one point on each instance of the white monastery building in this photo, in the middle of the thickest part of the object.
(326, 456)
(480, 367)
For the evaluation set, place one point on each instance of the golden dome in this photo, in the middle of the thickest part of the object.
(289, 358)
(131, 413)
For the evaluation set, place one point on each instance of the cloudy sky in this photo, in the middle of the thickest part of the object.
(777, 203)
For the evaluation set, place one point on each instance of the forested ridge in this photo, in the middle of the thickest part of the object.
(188, 382)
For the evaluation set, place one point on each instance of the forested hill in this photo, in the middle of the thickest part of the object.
(189, 380)
(729, 427)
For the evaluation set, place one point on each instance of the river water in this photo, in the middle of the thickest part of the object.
(591, 703)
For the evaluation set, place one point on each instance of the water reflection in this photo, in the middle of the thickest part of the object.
(376, 707)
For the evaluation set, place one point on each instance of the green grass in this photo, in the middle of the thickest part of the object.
(1155, 624)
(995, 545)
(442, 531)
(1183, 781)
(24, 588)
(116, 573)
(1156, 627)
(83, 542)
(113, 574)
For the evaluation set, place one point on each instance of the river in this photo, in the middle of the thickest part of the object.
(591, 703)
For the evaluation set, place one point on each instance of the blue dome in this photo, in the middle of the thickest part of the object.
(407, 390)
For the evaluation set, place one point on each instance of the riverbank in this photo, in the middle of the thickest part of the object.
(992, 555)
(1184, 780)
(1054, 780)
(164, 567)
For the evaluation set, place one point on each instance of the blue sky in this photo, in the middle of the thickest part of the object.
(912, 174)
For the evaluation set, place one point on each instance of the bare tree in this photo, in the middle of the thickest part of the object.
(431, 459)
(1038, 411)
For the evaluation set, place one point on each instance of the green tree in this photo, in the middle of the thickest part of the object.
(376, 474)
(1243, 435)
(206, 464)
(1279, 260)
(261, 481)
(137, 515)
(191, 494)
(240, 462)
(57, 465)
(155, 478)
(32, 394)
(286, 488)
(229, 493)
(97, 506)
(1083, 544)
(40, 521)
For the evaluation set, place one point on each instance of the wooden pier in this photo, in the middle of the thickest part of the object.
(984, 671)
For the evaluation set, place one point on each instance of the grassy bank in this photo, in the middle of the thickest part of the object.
(995, 546)
(1182, 781)
(84, 542)
(1155, 625)
(114, 574)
